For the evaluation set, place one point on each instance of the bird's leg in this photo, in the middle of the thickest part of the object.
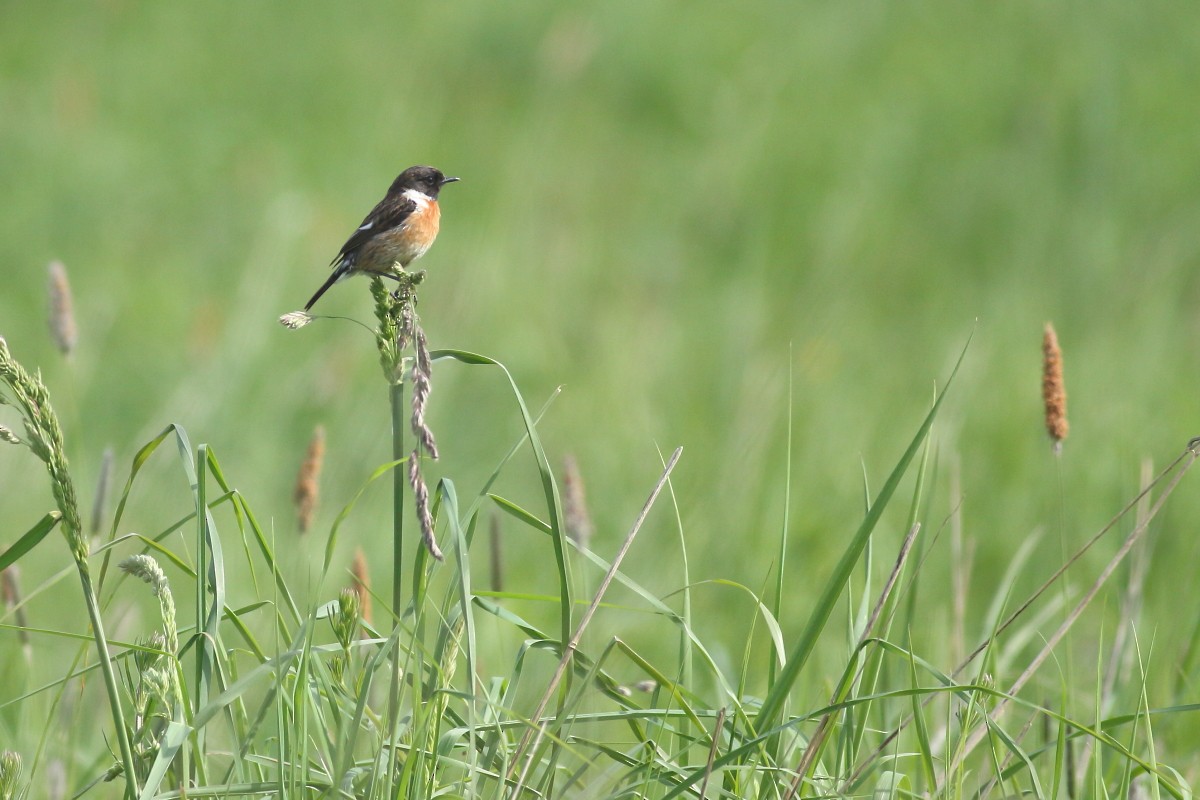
(406, 281)
(400, 277)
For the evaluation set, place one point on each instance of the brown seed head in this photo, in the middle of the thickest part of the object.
(62, 309)
(10, 594)
(10, 586)
(578, 522)
(422, 369)
(307, 479)
(421, 500)
(1054, 393)
(362, 583)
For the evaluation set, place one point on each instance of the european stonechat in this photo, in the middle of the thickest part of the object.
(397, 231)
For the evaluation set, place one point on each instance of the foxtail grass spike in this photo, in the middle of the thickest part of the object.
(362, 583)
(157, 685)
(62, 309)
(1054, 393)
(345, 621)
(575, 513)
(308, 480)
(45, 440)
(145, 568)
(390, 336)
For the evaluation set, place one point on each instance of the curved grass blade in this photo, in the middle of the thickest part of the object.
(549, 486)
(30, 539)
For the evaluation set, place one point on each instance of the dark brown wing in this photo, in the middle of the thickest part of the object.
(389, 213)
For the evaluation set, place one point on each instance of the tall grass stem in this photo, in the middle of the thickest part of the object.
(46, 442)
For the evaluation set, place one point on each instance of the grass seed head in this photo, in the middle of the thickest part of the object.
(345, 621)
(148, 658)
(1054, 393)
(421, 500)
(145, 568)
(295, 320)
(422, 370)
(308, 480)
(10, 594)
(362, 583)
(578, 522)
(6, 435)
(28, 394)
(62, 309)
(10, 775)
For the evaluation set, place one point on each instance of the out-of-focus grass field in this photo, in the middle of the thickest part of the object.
(665, 208)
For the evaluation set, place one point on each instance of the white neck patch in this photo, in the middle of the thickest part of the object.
(418, 197)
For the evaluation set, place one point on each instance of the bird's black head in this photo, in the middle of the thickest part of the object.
(426, 180)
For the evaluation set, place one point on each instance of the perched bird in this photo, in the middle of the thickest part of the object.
(397, 231)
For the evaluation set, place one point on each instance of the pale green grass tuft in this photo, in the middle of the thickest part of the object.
(11, 785)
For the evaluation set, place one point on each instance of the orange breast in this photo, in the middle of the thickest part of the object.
(404, 244)
(423, 225)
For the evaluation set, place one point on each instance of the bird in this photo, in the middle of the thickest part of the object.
(399, 229)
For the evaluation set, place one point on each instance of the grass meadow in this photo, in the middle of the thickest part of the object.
(814, 245)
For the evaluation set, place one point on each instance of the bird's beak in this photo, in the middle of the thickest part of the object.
(448, 180)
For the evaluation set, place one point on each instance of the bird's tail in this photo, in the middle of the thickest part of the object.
(340, 272)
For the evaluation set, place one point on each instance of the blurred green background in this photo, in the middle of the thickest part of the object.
(673, 210)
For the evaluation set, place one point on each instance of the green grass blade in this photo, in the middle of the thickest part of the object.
(772, 705)
(549, 486)
(30, 539)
